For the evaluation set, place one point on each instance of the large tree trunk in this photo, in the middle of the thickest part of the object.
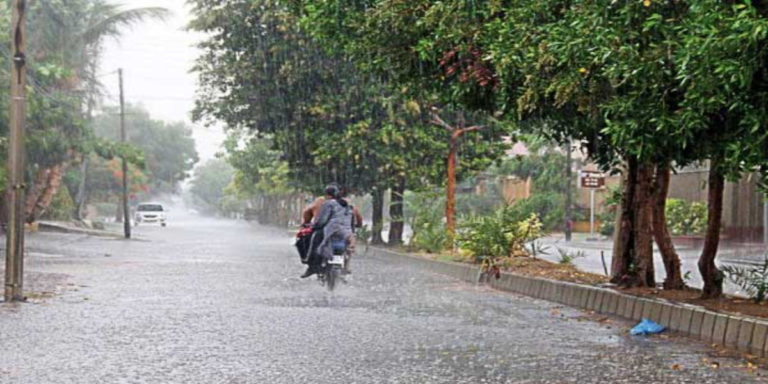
(713, 278)
(396, 219)
(624, 230)
(46, 185)
(81, 192)
(55, 177)
(33, 194)
(377, 217)
(643, 227)
(674, 278)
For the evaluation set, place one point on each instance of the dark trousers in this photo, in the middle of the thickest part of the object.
(314, 258)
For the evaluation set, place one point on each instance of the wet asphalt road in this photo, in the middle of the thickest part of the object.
(206, 301)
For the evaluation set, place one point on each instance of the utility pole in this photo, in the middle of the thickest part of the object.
(126, 211)
(14, 257)
(568, 192)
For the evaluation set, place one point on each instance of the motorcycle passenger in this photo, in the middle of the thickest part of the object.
(311, 212)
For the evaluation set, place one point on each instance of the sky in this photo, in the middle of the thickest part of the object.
(156, 57)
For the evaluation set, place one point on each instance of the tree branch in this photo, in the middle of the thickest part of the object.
(472, 128)
(438, 121)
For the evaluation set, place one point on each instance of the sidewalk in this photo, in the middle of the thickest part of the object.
(68, 227)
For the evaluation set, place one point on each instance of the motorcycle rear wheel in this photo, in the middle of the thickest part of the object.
(332, 276)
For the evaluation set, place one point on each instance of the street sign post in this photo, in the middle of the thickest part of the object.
(591, 180)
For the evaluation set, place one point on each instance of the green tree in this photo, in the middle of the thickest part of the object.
(62, 85)
(647, 83)
(330, 120)
(384, 39)
(644, 84)
(169, 148)
(209, 183)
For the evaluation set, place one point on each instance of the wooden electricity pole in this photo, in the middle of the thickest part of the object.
(126, 211)
(14, 257)
(450, 191)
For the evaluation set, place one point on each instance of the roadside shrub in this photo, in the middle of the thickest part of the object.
(608, 216)
(548, 206)
(607, 224)
(431, 238)
(499, 235)
(684, 218)
(425, 217)
(567, 258)
(753, 280)
(62, 207)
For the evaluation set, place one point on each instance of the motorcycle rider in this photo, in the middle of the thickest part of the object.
(312, 211)
(335, 219)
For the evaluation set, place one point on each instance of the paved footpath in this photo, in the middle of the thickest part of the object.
(206, 301)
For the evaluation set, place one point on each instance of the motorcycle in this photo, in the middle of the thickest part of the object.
(330, 269)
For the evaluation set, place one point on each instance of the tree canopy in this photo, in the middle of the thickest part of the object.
(168, 148)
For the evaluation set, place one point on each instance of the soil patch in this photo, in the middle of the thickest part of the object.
(528, 266)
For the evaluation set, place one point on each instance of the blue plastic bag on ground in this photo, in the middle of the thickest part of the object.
(647, 327)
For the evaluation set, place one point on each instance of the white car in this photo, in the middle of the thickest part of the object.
(151, 213)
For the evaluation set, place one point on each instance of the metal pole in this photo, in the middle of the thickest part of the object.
(568, 192)
(14, 257)
(126, 211)
(592, 213)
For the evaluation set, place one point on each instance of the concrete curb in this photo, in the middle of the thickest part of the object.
(53, 227)
(742, 333)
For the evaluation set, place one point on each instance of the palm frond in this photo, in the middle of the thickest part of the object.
(108, 19)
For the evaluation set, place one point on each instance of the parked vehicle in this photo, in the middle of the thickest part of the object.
(151, 213)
